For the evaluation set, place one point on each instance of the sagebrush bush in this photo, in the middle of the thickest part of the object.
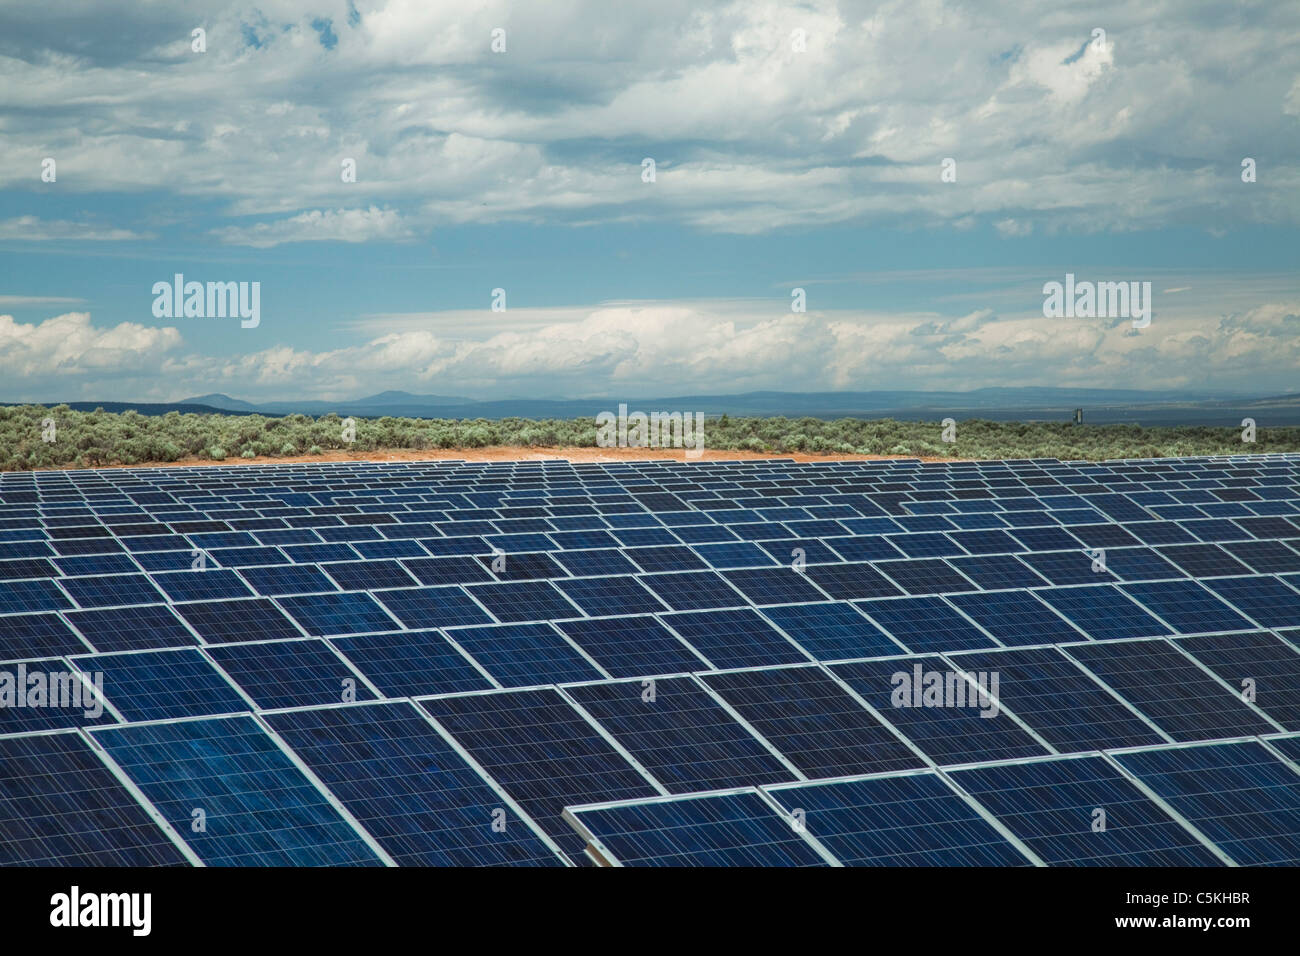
(91, 439)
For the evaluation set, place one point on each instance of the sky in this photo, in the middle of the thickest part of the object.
(795, 146)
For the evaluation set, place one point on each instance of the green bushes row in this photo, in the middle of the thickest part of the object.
(88, 439)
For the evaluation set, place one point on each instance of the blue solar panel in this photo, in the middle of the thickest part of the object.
(60, 806)
(1238, 794)
(160, 685)
(131, 628)
(832, 631)
(1265, 600)
(433, 607)
(946, 717)
(410, 789)
(299, 673)
(813, 721)
(925, 624)
(522, 655)
(849, 581)
(912, 819)
(1059, 701)
(227, 768)
(542, 752)
(203, 585)
(736, 638)
(733, 829)
(343, 613)
(1171, 689)
(610, 595)
(1186, 606)
(1258, 663)
(34, 635)
(633, 646)
(1102, 612)
(680, 734)
(412, 663)
(247, 620)
(524, 601)
(1052, 805)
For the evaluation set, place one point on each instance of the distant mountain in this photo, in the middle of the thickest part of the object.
(1100, 406)
(406, 398)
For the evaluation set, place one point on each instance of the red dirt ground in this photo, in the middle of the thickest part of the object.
(511, 453)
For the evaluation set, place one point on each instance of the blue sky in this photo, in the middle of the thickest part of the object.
(783, 160)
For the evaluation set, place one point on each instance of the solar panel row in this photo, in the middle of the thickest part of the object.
(734, 662)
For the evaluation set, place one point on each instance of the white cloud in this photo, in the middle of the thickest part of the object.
(1050, 129)
(33, 229)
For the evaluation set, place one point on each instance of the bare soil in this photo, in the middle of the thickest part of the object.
(515, 453)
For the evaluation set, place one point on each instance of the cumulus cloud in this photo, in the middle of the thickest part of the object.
(665, 348)
(1141, 128)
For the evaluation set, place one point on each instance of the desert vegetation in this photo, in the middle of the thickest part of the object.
(35, 436)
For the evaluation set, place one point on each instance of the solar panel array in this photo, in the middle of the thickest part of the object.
(1025, 662)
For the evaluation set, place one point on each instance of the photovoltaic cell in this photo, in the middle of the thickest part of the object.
(542, 752)
(131, 628)
(832, 631)
(1051, 805)
(1102, 612)
(299, 673)
(1269, 664)
(522, 655)
(735, 638)
(925, 624)
(1169, 688)
(1238, 794)
(261, 809)
(1187, 606)
(632, 646)
(1059, 701)
(158, 685)
(411, 663)
(959, 730)
(60, 806)
(734, 829)
(813, 721)
(912, 819)
(680, 734)
(409, 788)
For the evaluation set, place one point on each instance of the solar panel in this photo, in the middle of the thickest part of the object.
(1238, 794)
(832, 631)
(1187, 606)
(912, 819)
(160, 685)
(248, 620)
(624, 579)
(1053, 807)
(638, 646)
(341, 613)
(1059, 701)
(412, 663)
(522, 655)
(925, 624)
(524, 601)
(1102, 612)
(1265, 600)
(813, 721)
(424, 804)
(680, 734)
(298, 673)
(732, 829)
(1259, 665)
(735, 638)
(542, 752)
(60, 806)
(1170, 689)
(944, 716)
(223, 769)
